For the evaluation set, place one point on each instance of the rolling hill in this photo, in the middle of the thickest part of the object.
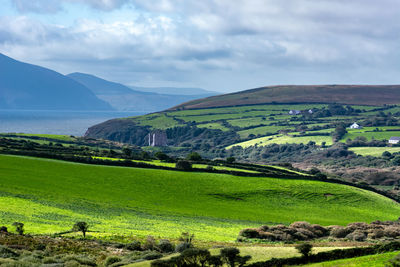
(343, 94)
(124, 98)
(50, 196)
(31, 87)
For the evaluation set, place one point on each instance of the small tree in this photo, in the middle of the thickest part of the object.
(19, 227)
(230, 160)
(194, 156)
(231, 257)
(186, 237)
(183, 165)
(81, 227)
(304, 249)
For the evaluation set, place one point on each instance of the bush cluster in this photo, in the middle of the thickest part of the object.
(304, 231)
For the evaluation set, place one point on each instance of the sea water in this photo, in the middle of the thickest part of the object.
(55, 122)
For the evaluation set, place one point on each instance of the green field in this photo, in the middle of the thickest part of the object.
(284, 139)
(369, 133)
(379, 260)
(373, 151)
(49, 196)
(47, 136)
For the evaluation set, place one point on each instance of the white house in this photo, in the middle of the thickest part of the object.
(310, 111)
(355, 126)
(394, 140)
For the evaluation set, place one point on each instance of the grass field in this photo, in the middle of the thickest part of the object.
(379, 260)
(373, 151)
(368, 133)
(283, 139)
(49, 196)
(49, 136)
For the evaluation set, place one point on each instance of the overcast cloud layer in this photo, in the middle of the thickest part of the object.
(221, 45)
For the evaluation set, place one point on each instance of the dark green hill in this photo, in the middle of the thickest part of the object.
(26, 86)
(343, 94)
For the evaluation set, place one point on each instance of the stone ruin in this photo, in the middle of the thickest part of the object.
(157, 138)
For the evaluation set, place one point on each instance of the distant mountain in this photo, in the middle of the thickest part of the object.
(176, 91)
(31, 87)
(343, 94)
(124, 98)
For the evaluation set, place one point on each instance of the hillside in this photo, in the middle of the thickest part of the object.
(31, 87)
(50, 196)
(343, 94)
(122, 97)
(199, 92)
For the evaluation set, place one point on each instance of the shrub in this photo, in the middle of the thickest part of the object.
(135, 245)
(3, 229)
(111, 260)
(165, 246)
(339, 231)
(182, 247)
(183, 165)
(153, 255)
(304, 249)
(250, 233)
(194, 156)
(19, 227)
(230, 160)
(150, 243)
(230, 256)
(357, 235)
(5, 252)
(391, 231)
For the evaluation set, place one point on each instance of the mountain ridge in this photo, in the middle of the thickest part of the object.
(122, 97)
(32, 87)
(284, 94)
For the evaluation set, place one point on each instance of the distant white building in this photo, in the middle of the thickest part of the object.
(394, 140)
(294, 112)
(355, 126)
(310, 111)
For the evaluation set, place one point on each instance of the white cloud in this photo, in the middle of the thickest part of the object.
(188, 39)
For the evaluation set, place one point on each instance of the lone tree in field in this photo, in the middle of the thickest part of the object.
(304, 249)
(81, 227)
(19, 227)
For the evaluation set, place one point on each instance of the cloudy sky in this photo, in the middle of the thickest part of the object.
(221, 45)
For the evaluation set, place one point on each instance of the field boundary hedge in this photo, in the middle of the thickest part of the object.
(336, 254)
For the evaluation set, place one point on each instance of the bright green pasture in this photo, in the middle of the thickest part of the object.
(50, 136)
(284, 139)
(49, 196)
(373, 151)
(213, 126)
(378, 260)
(263, 130)
(381, 135)
(247, 122)
(173, 165)
(156, 121)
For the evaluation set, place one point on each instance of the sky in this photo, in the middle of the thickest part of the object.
(219, 45)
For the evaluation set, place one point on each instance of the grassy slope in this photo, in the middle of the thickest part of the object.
(373, 151)
(49, 196)
(379, 260)
(344, 94)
